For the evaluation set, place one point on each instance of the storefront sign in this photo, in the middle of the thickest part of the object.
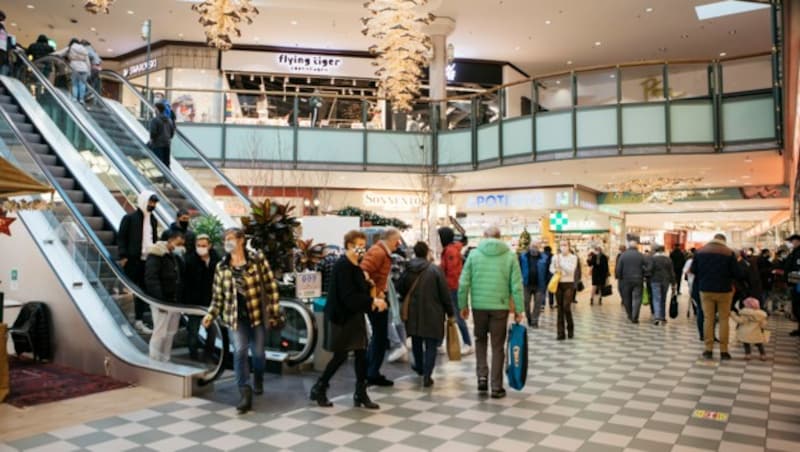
(391, 202)
(308, 285)
(516, 200)
(141, 68)
(306, 64)
(558, 221)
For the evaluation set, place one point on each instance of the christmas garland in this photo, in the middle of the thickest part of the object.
(373, 218)
(9, 205)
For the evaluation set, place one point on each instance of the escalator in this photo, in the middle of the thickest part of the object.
(76, 239)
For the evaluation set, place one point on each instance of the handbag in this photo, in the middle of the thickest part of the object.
(453, 344)
(607, 290)
(645, 296)
(517, 356)
(407, 299)
(579, 286)
(552, 286)
(673, 306)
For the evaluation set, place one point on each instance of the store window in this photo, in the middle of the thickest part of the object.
(197, 106)
(597, 87)
(555, 93)
(157, 83)
(643, 84)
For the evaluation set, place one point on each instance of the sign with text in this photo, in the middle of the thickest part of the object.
(308, 285)
(297, 63)
(140, 68)
(541, 199)
(391, 202)
(309, 64)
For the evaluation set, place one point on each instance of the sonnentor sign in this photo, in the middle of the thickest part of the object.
(387, 201)
(140, 68)
(304, 64)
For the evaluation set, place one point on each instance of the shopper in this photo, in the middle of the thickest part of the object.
(532, 283)
(6, 46)
(244, 294)
(792, 264)
(598, 262)
(331, 255)
(345, 329)
(78, 57)
(136, 234)
(164, 274)
(161, 133)
(425, 288)
(565, 264)
(632, 268)
(40, 49)
(548, 254)
(201, 263)
(751, 325)
(97, 66)
(765, 274)
(662, 279)
(181, 224)
(678, 259)
(452, 265)
(377, 263)
(716, 271)
(491, 276)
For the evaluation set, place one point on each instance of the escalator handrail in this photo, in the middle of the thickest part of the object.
(197, 152)
(120, 163)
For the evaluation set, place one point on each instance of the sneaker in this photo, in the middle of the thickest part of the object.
(483, 384)
(142, 328)
(708, 355)
(724, 356)
(467, 350)
(498, 393)
(398, 354)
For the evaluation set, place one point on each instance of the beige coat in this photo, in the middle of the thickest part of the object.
(751, 324)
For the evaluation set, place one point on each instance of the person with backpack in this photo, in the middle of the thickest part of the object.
(161, 132)
(78, 57)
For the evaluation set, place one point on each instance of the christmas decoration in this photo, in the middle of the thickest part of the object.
(14, 206)
(5, 223)
(372, 219)
(98, 6)
(221, 19)
(524, 241)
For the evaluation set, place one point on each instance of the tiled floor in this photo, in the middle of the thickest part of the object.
(616, 386)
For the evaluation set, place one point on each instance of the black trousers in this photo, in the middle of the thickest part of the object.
(134, 269)
(379, 343)
(339, 358)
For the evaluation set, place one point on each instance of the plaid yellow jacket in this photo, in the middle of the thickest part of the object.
(257, 278)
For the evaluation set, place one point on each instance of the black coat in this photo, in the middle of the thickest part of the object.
(129, 237)
(199, 278)
(188, 235)
(163, 274)
(348, 300)
(430, 300)
(599, 265)
(40, 48)
(678, 261)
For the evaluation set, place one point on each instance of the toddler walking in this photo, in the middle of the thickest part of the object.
(752, 322)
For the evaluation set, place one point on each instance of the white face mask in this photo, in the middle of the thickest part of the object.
(230, 245)
(202, 251)
(179, 251)
(564, 250)
(790, 245)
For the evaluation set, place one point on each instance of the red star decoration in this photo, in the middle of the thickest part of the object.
(5, 224)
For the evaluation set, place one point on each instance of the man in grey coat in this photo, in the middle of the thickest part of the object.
(632, 268)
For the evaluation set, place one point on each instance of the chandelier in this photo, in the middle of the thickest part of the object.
(402, 48)
(662, 190)
(98, 6)
(221, 19)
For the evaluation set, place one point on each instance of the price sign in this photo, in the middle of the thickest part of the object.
(308, 285)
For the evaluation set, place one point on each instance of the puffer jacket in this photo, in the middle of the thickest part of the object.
(491, 276)
(430, 301)
(452, 264)
(751, 324)
(378, 264)
(163, 274)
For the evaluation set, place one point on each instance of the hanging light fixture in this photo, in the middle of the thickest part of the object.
(98, 6)
(402, 47)
(221, 19)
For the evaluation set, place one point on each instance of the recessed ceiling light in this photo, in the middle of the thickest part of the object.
(31, 6)
(613, 75)
(256, 38)
(13, 24)
(746, 176)
(598, 43)
(733, 181)
(294, 22)
(130, 12)
(110, 50)
(556, 173)
(649, 10)
(548, 22)
(93, 29)
(558, 82)
(748, 160)
(644, 167)
(748, 183)
(569, 63)
(180, 35)
(722, 54)
(516, 48)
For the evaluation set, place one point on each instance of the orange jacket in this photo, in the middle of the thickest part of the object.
(378, 264)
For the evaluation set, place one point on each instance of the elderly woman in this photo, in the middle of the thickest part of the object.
(246, 295)
(349, 298)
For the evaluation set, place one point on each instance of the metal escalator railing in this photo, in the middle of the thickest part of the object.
(142, 172)
(179, 136)
(109, 282)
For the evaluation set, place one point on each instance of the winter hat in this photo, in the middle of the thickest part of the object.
(752, 303)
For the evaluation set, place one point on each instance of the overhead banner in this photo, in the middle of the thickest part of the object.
(705, 194)
(297, 63)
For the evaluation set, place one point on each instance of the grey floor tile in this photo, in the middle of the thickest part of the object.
(33, 441)
(369, 444)
(148, 437)
(91, 439)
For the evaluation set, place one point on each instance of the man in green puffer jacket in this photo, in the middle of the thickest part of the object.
(491, 279)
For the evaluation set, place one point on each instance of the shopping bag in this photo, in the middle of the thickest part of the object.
(552, 286)
(607, 290)
(645, 296)
(517, 356)
(453, 343)
(673, 306)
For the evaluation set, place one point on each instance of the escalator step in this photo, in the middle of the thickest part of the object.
(6, 99)
(96, 223)
(11, 108)
(25, 128)
(40, 148)
(57, 171)
(33, 137)
(67, 183)
(107, 237)
(85, 209)
(113, 250)
(49, 159)
(76, 196)
(17, 117)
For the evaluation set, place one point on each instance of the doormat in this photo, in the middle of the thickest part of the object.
(712, 415)
(34, 383)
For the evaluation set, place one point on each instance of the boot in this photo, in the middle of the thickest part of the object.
(319, 394)
(258, 384)
(360, 397)
(246, 402)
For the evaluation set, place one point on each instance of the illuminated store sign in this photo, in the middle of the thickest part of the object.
(391, 201)
(141, 68)
(305, 64)
(520, 200)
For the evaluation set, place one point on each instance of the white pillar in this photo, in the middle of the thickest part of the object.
(439, 30)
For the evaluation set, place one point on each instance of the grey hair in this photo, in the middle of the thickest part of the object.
(389, 233)
(492, 232)
(633, 244)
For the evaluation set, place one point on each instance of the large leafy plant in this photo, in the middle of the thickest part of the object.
(308, 255)
(272, 229)
(209, 225)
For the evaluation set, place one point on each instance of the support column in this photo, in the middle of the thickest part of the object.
(439, 30)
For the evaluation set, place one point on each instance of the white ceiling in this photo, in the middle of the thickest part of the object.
(517, 31)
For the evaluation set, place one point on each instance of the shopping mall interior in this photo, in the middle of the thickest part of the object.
(179, 180)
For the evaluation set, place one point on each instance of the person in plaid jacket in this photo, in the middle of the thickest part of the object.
(246, 295)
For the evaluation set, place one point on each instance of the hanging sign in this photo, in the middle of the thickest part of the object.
(558, 221)
(140, 68)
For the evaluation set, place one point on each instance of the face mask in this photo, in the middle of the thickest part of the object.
(564, 250)
(360, 252)
(230, 245)
(184, 224)
(151, 208)
(179, 251)
(202, 251)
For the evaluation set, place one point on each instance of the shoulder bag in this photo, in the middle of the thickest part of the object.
(407, 299)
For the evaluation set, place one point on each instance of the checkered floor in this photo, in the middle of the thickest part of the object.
(616, 386)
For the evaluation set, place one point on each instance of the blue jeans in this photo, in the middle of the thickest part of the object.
(462, 325)
(379, 342)
(245, 338)
(659, 300)
(79, 85)
(424, 350)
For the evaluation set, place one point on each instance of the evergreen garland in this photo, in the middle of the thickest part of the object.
(373, 218)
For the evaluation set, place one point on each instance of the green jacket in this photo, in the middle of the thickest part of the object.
(491, 276)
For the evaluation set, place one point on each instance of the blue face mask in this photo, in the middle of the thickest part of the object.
(179, 251)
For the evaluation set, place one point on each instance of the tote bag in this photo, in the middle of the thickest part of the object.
(552, 286)
(645, 296)
(673, 306)
(453, 343)
(517, 356)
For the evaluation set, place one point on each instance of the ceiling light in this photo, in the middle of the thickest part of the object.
(180, 35)
(598, 43)
(613, 75)
(726, 8)
(558, 82)
(93, 29)
(516, 48)
(649, 10)
(556, 173)
(110, 50)
(645, 167)
(722, 54)
(548, 22)
(748, 160)
(294, 22)
(733, 181)
(746, 176)
(31, 6)
(256, 38)
(569, 63)
(131, 12)
(13, 24)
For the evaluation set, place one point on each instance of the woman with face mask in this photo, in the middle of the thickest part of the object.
(565, 263)
(246, 295)
(349, 298)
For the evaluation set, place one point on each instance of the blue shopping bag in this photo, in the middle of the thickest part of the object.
(517, 355)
